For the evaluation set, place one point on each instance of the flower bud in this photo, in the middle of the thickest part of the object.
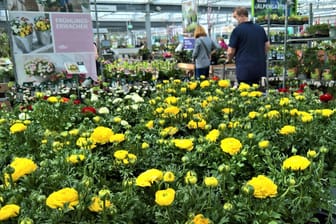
(26, 220)
(323, 149)
(228, 206)
(292, 181)
(311, 154)
(247, 189)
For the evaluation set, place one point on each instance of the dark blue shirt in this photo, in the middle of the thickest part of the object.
(249, 41)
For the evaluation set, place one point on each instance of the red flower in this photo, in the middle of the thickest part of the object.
(28, 107)
(89, 110)
(326, 97)
(283, 90)
(77, 101)
(65, 99)
(303, 85)
(299, 91)
(215, 78)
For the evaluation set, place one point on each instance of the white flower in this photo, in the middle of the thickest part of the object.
(117, 101)
(103, 110)
(124, 123)
(94, 97)
(24, 116)
(135, 106)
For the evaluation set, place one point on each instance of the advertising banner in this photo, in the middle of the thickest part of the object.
(275, 7)
(46, 38)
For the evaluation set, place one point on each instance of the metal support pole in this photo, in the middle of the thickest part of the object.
(97, 27)
(285, 44)
(148, 27)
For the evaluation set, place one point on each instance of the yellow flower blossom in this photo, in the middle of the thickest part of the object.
(172, 110)
(295, 163)
(147, 178)
(9, 211)
(186, 144)
(60, 198)
(224, 83)
(76, 158)
(263, 144)
(117, 138)
(205, 84)
(263, 187)
(98, 205)
(213, 135)
(231, 145)
(22, 167)
(287, 130)
(168, 177)
(165, 197)
(17, 127)
(101, 135)
(211, 181)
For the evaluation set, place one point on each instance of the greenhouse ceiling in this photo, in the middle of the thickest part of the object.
(117, 14)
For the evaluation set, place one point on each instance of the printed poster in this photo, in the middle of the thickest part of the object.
(48, 34)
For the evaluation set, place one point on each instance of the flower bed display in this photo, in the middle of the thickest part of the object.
(190, 152)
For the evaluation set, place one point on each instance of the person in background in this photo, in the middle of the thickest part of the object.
(204, 45)
(222, 43)
(248, 45)
(96, 58)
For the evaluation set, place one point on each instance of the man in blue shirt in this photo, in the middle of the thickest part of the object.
(249, 45)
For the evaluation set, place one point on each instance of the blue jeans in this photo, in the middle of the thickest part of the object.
(201, 71)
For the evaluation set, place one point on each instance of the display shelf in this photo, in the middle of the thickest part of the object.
(305, 40)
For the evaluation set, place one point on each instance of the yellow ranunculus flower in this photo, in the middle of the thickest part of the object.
(253, 114)
(76, 158)
(213, 135)
(120, 154)
(74, 132)
(144, 145)
(22, 167)
(287, 130)
(169, 177)
(85, 143)
(98, 205)
(296, 163)
(231, 145)
(117, 138)
(9, 211)
(284, 101)
(147, 178)
(273, 114)
(192, 85)
(211, 181)
(172, 110)
(224, 83)
(17, 127)
(205, 84)
(59, 199)
(172, 100)
(52, 99)
(165, 197)
(192, 124)
(200, 219)
(263, 144)
(150, 124)
(186, 144)
(101, 135)
(263, 187)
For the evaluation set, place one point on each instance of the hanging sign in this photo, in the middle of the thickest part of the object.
(275, 7)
